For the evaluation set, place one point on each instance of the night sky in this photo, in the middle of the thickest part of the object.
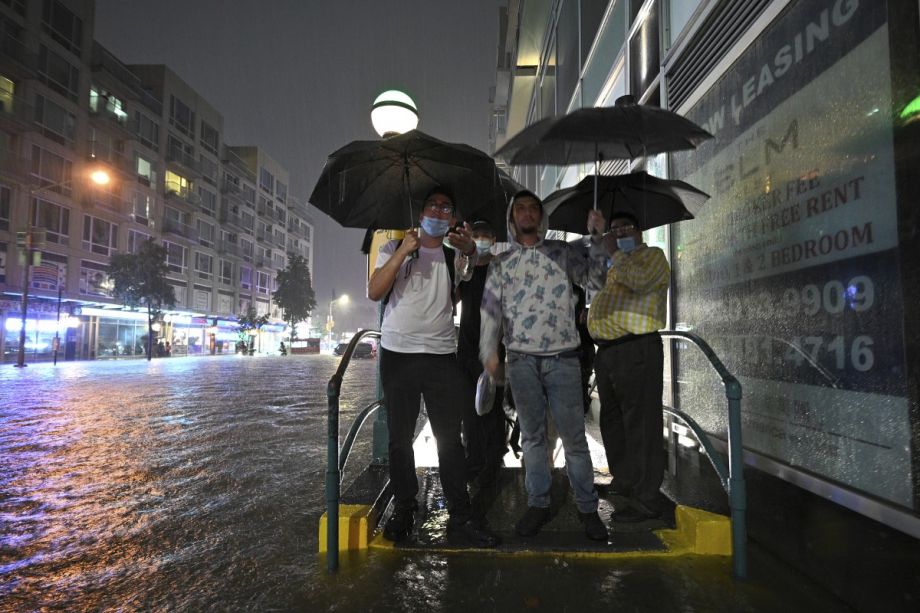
(298, 77)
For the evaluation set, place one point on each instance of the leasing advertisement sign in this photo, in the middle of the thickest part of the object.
(791, 271)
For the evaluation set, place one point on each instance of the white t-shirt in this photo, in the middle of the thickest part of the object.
(419, 315)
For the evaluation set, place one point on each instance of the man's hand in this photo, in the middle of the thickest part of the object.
(491, 366)
(610, 243)
(596, 224)
(409, 244)
(461, 239)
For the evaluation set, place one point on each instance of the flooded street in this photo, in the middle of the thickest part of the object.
(196, 484)
(177, 484)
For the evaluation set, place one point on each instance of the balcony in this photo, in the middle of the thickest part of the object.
(231, 187)
(263, 236)
(183, 161)
(278, 240)
(280, 216)
(103, 60)
(16, 115)
(228, 248)
(108, 202)
(14, 167)
(100, 151)
(15, 58)
(264, 210)
(106, 117)
(227, 216)
(182, 196)
(180, 229)
(238, 165)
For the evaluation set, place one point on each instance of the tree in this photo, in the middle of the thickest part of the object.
(295, 292)
(140, 280)
(250, 320)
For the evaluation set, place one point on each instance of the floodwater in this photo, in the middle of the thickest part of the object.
(196, 484)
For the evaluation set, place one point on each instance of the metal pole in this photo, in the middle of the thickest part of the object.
(737, 497)
(21, 357)
(332, 478)
(57, 329)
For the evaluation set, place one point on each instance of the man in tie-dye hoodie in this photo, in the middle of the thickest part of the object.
(528, 297)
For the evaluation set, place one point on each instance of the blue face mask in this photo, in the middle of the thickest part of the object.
(435, 227)
(483, 247)
(626, 244)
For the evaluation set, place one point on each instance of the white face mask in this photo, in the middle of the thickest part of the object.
(483, 246)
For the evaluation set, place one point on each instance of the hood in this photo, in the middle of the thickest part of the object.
(512, 233)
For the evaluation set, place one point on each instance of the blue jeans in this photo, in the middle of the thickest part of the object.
(538, 383)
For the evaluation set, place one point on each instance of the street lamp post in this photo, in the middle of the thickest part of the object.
(99, 177)
(393, 112)
(330, 322)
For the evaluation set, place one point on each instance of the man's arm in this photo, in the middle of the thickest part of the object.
(641, 271)
(383, 277)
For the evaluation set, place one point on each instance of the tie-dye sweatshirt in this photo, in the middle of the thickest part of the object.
(528, 296)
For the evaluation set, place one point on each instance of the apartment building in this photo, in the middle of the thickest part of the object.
(69, 107)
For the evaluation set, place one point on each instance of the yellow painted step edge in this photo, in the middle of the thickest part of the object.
(356, 523)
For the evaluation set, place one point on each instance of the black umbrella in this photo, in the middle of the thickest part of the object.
(381, 184)
(653, 201)
(624, 131)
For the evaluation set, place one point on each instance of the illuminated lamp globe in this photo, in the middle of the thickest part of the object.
(99, 177)
(343, 299)
(394, 113)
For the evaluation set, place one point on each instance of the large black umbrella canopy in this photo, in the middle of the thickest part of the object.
(624, 131)
(653, 201)
(382, 183)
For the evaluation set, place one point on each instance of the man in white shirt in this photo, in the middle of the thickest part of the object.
(418, 359)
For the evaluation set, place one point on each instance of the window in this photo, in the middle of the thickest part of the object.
(177, 184)
(57, 124)
(202, 299)
(209, 169)
(54, 219)
(245, 277)
(248, 221)
(142, 207)
(176, 257)
(136, 240)
(264, 232)
(306, 230)
(176, 218)
(50, 169)
(63, 26)
(181, 117)
(279, 238)
(281, 191)
(205, 233)
(209, 138)
(5, 196)
(262, 282)
(145, 172)
(7, 89)
(179, 151)
(58, 74)
(226, 272)
(99, 236)
(266, 181)
(94, 279)
(106, 103)
(246, 249)
(279, 261)
(249, 195)
(148, 131)
(208, 202)
(203, 265)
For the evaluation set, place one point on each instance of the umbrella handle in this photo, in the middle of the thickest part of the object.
(414, 254)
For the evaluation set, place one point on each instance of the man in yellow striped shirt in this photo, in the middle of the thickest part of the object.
(624, 320)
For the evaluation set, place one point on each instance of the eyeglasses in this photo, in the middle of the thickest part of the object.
(625, 229)
(434, 207)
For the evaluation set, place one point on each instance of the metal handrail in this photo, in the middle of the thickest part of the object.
(336, 458)
(733, 479)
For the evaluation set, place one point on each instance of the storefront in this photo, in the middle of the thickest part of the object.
(44, 331)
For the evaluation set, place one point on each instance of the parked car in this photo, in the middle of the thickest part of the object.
(362, 350)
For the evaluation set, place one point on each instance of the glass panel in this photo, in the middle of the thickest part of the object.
(606, 50)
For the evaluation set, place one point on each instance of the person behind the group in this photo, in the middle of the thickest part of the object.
(528, 293)
(484, 434)
(624, 320)
(418, 360)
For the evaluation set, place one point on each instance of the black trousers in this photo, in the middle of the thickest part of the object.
(486, 441)
(408, 377)
(629, 383)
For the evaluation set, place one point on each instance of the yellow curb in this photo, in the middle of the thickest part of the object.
(356, 522)
(703, 532)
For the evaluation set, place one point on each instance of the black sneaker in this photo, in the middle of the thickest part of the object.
(532, 520)
(594, 527)
(471, 533)
(399, 526)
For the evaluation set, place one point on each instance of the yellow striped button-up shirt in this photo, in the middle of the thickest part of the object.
(634, 298)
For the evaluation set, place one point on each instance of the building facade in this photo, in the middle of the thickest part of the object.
(69, 107)
(800, 270)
